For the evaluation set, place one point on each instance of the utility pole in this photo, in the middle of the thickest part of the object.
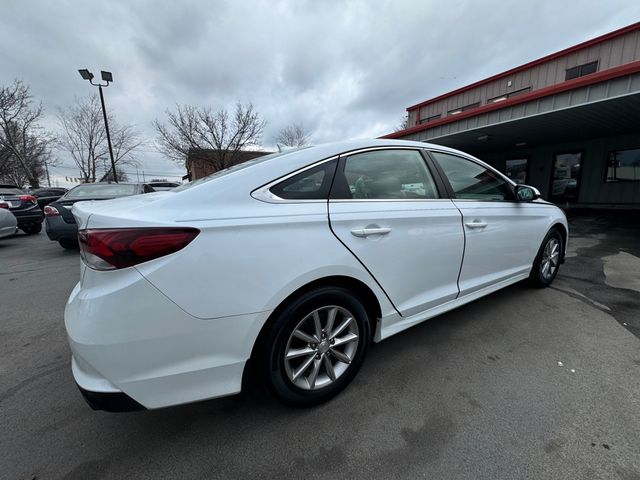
(46, 169)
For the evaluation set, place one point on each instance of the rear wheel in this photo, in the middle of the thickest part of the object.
(547, 262)
(315, 346)
(32, 228)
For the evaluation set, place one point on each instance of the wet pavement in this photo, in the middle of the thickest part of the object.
(603, 264)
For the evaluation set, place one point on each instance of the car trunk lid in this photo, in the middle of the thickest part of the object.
(118, 212)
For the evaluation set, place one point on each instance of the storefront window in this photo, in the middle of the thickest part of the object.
(566, 177)
(623, 166)
(516, 169)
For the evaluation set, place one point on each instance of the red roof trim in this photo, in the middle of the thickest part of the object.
(566, 51)
(587, 80)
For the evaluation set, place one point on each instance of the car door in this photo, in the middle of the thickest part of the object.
(502, 236)
(387, 209)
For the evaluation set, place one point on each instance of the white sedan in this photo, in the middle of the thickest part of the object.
(289, 266)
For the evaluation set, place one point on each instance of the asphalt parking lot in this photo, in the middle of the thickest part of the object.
(522, 384)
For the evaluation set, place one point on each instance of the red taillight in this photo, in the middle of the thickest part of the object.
(109, 249)
(28, 198)
(51, 211)
(4, 205)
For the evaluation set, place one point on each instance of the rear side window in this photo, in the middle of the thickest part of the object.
(472, 181)
(311, 184)
(385, 175)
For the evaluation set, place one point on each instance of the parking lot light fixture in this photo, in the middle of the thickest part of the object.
(86, 74)
(107, 77)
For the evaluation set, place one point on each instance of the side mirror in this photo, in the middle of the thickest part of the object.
(525, 193)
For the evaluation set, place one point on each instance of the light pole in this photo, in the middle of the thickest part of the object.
(108, 78)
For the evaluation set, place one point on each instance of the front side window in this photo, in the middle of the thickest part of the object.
(623, 166)
(311, 184)
(385, 175)
(472, 181)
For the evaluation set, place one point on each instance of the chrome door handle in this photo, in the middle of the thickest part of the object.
(365, 232)
(475, 224)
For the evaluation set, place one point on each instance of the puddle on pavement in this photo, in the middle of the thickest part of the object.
(622, 270)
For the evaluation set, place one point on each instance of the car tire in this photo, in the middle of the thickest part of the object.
(547, 262)
(305, 360)
(68, 244)
(32, 228)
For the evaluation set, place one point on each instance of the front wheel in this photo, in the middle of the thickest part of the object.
(547, 262)
(316, 346)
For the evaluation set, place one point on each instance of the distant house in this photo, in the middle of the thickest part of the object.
(201, 163)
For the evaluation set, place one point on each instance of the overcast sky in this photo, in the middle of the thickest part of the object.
(342, 69)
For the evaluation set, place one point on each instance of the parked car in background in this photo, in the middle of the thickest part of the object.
(8, 222)
(61, 226)
(24, 207)
(288, 266)
(47, 195)
(160, 186)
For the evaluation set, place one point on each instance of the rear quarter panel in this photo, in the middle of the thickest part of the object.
(253, 259)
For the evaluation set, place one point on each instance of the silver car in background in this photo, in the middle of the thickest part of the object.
(8, 222)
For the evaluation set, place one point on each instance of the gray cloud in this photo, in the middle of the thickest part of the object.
(344, 69)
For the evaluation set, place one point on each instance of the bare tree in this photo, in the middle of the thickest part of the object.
(83, 136)
(108, 177)
(221, 135)
(24, 145)
(293, 135)
(12, 171)
(404, 123)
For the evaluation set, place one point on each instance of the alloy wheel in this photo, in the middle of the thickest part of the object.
(550, 259)
(321, 347)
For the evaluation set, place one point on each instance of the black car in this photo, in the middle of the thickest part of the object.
(24, 207)
(47, 195)
(60, 224)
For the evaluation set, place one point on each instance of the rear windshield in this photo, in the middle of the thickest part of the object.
(235, 168)
(101, 190)
(164, 184)
(10, 191)
(47, 191)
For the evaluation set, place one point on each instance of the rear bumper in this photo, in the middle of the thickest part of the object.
(127, 338)
(111, 401)
(28, 217)
(58, 229)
